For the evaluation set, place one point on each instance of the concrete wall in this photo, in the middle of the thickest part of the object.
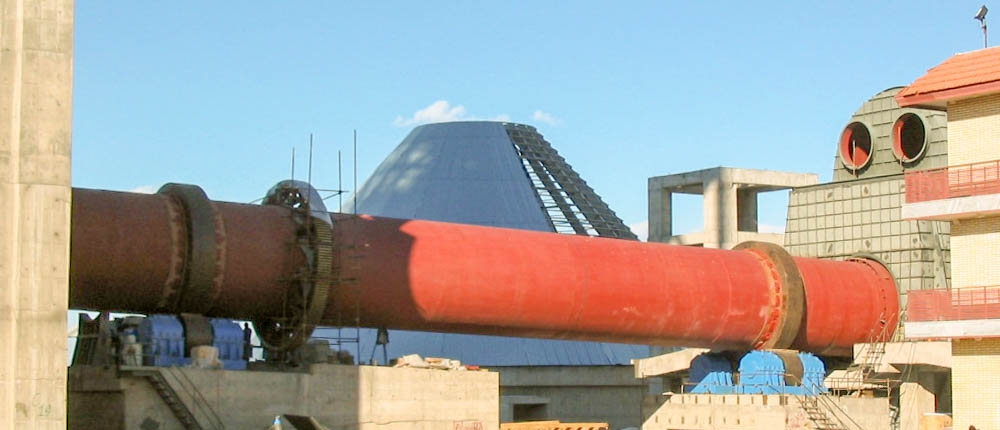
(36, 78)
(879, 114)
(339, 397)
(609, 394)
(841, 219)
(720, 412)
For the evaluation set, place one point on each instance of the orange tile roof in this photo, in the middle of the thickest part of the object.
(963, 75)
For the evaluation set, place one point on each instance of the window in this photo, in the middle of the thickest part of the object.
(855, 146)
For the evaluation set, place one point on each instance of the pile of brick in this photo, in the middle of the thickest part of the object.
(416, 361)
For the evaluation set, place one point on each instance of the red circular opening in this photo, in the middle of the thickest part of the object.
(909, 138)
(856, 146)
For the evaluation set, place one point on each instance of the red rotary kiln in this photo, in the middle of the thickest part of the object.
(178, 252)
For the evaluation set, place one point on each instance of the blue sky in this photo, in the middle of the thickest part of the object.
(217, 93)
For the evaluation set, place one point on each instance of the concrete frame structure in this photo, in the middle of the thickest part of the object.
(730, 204)
(36, 89)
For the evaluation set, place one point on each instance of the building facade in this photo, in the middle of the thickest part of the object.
(967, 194)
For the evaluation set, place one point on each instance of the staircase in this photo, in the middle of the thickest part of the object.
(860, 375)
(181, 396)
(818, 414)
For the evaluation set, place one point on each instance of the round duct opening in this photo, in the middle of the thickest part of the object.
(855, 146)
(909, 138)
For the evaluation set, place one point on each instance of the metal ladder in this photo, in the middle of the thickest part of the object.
(349, 258)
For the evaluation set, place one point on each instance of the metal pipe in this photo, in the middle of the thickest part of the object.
(423, 275)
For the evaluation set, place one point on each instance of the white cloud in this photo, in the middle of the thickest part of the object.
(767, 228)
(545, 117)
(143, 189)
(439, 111)
(640, 229)
(442, 111)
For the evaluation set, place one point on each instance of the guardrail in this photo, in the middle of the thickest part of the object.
(964, 180)
(969, 303)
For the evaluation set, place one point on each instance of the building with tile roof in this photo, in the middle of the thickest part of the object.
(967, 193)
(965, 75)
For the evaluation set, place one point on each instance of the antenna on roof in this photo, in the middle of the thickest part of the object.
(981, 17)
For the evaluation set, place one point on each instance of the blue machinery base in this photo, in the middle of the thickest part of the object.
(759, 372)
(163, 342)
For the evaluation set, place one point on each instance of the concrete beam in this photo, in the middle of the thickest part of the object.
(952, 329)
(951, 209)
(771, 180)
(755, 179)
(775, 238)
(690, 239)
(925, 356)
(36, 88)
(667, 363)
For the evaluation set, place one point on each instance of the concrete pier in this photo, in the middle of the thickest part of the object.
(36, 84)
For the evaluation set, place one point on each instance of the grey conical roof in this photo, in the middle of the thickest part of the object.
(464, 172)
(486, 173)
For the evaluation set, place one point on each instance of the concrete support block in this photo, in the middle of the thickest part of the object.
(916, 398)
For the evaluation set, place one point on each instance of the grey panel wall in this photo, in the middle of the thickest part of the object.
(838, 220)
(859, 212)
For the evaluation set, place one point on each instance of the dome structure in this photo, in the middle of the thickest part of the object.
(493, 174)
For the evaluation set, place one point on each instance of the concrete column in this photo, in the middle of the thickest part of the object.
(746, 210)
(720, 212)
(660, 222)
(916, 397)
(36, 78)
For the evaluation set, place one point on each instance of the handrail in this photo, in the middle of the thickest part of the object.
(961, 180)
(830, 405)
(954, 304)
